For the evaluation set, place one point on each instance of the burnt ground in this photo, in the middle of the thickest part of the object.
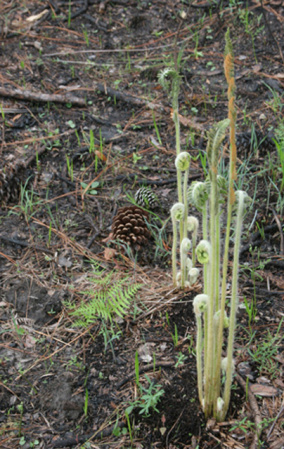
(84, 124)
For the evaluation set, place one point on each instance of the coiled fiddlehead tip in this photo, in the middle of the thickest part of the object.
(185, 245)
(200, 304)
(177, 212)
(198, 194)
(203, 251)
(192, 224)
(182, 161)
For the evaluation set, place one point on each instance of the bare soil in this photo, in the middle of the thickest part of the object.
(80, 108)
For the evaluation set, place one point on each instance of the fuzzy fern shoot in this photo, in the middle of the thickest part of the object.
(170, 79)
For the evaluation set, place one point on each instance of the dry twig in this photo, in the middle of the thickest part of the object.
(39, 96)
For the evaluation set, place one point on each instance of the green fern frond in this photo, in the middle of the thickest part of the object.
(96, 267)
(106, 298)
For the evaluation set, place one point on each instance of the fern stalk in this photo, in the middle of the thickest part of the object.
(229, 73)
(234, 305)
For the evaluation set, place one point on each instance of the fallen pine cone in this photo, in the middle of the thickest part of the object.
(129, 226)
(144, 197)
(10, 181)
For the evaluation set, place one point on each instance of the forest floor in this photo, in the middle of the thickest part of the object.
(84, 124)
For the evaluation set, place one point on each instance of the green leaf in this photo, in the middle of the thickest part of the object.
(71, 124)
(129, 409)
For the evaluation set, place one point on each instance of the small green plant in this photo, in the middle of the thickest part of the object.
(3, 114)
(92, 189)
(78, 137)
(156, 128)
(101, 141)
(86, 36)
(167, 319)
(265, 353)
(117, 431)
(246, 426)
(38, 165)
(181, 358)
(86, 403)
(129, 428)
(175, 336)
(22, 441)
(34, 443)
(276, 103)
(136, 157)
(92, 142)
(137, 376)
(251, 310)
(49, 233)
(191, 347)
(110, 333)
(73, 362)
(252, 27)
(197, 54)
(19, 330)
(71, 124)
(70, 170)
(29, 202)
(69, 13)
(20, 408)
(202, 156)
(148, 400)
(279, 143)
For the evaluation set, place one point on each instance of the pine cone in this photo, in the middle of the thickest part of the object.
(144, 197)
(129, 225)
(10, 181)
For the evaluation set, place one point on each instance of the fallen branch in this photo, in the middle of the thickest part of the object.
(38, 96)
(132, 176)
(206, 5)
(121, 96)
(24, 245)
(80, 10)
(10, 176)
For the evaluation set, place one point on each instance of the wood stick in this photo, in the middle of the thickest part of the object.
(38, 96)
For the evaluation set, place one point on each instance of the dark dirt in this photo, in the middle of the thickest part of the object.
(108, 55)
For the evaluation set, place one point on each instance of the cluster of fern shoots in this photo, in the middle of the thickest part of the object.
(211, 197)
